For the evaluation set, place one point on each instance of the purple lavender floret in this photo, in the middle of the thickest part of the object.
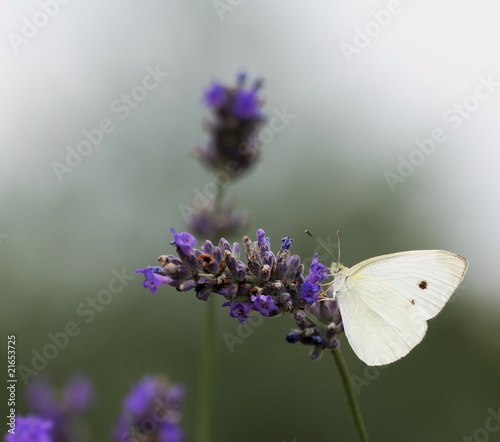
(286, 243)
(264, 304)
(318, 271)
(238, 310)
(184, 241)
(309, 292)
(153, 278)
(311, 287)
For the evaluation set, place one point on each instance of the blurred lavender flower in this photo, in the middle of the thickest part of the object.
(63, 408)
(216, 222)
(233, 146)
(31, 429)
(151, 412)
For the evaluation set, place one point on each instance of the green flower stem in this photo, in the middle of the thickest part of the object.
(207, 376)
(347, 383)
(207, 367)
(351, 394)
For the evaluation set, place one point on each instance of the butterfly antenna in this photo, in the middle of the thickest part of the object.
(338, 243)
(321, 245)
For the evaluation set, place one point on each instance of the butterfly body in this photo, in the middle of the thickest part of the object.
(385, 301)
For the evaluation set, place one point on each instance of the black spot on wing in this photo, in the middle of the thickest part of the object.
(422, 285)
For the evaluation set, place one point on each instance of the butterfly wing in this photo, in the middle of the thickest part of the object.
(385, 301)
(427, 278)
(381, 325)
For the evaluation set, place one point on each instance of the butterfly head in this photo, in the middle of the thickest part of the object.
(337, 267)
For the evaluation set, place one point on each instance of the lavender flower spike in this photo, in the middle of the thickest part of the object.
(268, 283)
(233, 145)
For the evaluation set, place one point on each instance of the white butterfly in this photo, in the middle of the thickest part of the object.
(385, 301)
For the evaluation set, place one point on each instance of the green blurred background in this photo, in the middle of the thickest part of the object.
(61, 240)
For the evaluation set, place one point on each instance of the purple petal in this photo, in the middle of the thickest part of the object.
(184, 240)
(215, 96)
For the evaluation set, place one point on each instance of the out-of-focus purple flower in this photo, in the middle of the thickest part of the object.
(185, 241)
(30, 429)
(263, 304)
(153, 279)
(139, 398)
(64, 408)
(215, 222)
(216, 95)
(170, 433)
(238, 310)
(151, 412)
(176, 395)
(78, 394)
(233, 146)
(246, 104)
(41, 397)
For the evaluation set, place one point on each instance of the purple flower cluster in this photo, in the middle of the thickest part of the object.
(62, 408)
(268, 283)
(151, 412)
(326, 313)
(30, 429)
(233, 146)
